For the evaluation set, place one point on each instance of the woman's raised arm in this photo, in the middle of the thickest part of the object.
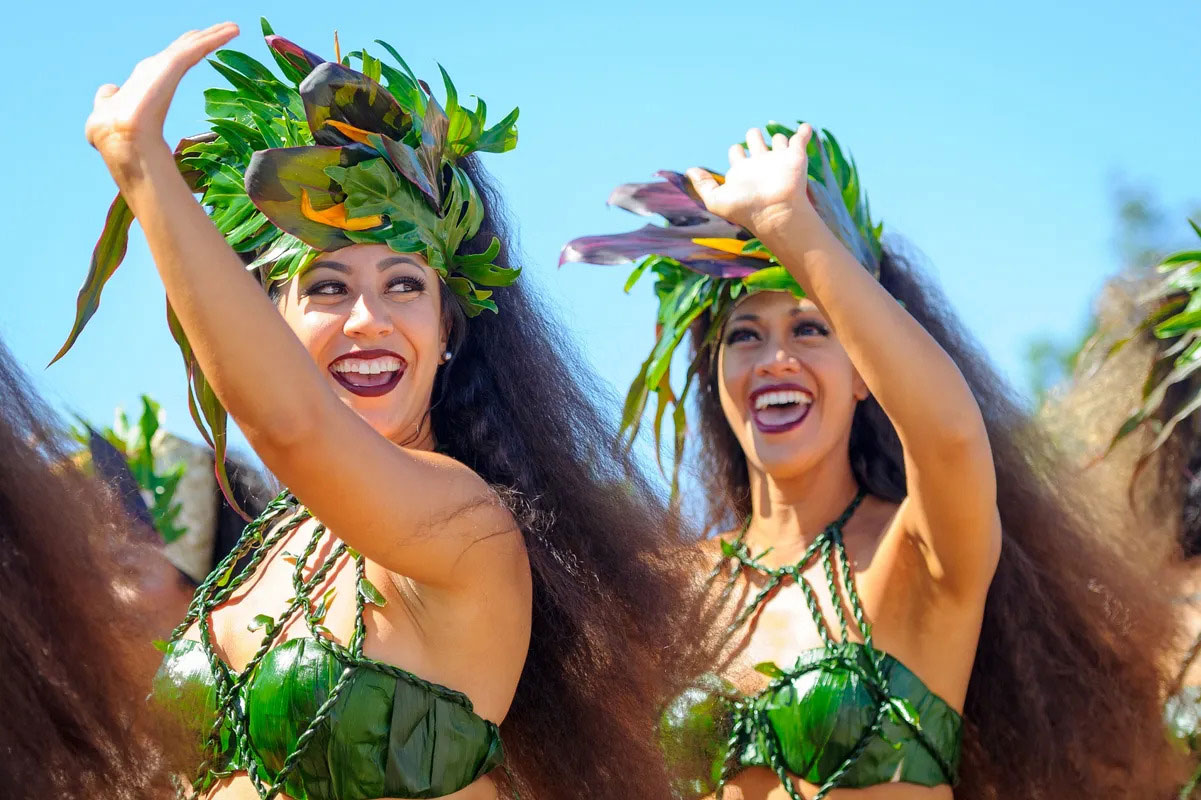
(951, 478)
(416, 513)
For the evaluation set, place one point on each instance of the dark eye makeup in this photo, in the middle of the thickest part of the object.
(325, 288)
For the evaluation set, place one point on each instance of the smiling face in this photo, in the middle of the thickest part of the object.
(371, 319)
(787, 386)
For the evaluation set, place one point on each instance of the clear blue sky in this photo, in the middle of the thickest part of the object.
(987, 137)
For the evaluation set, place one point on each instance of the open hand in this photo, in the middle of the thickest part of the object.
(766, 185)
(128, 119)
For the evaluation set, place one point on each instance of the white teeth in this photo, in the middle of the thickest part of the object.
(781, 398)
(368, 366)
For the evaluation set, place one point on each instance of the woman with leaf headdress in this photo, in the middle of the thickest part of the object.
(1130, 412)
(450, 502)
(909, 592)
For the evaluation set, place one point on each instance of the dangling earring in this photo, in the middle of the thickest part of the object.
(447, 356)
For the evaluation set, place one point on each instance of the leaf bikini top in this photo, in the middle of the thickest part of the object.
(844, 715)
(310, 718)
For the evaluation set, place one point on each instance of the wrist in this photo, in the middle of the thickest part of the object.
(784, 219)
(132, 163)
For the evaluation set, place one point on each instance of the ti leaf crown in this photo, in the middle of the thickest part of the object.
(1172, 391)
(705, 263)
(324, 158)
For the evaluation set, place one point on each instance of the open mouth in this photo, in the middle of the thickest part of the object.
(368, 373)
(776, 409)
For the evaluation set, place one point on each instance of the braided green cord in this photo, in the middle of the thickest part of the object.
(218, 587)
(833, 781)
(830, 548)
(827, 561)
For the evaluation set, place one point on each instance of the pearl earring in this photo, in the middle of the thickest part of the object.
(447, 356)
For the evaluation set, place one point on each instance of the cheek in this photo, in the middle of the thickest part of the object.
(732, 385)
(314, 326)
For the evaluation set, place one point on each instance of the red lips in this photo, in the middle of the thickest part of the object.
(369, 384)
(780, 418)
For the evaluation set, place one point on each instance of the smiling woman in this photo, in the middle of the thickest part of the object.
(462, 557)
(913, 594)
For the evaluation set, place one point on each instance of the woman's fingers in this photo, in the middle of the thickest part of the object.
(187, 50)
(106, 91)
(754, 142)
(779, 142)
(802, 136)
(737, 153)
(704, 182)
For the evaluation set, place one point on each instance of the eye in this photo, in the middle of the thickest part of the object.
(328, 288)
(405, 284)
(810, 328)
(741, 335)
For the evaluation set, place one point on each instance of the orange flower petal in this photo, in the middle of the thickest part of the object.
(733, 246)
(348, 130)
(335, 216)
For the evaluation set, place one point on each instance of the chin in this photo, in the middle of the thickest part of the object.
(787, 456)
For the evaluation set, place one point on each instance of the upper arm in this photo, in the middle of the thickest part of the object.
(416, 513)
(952, 511)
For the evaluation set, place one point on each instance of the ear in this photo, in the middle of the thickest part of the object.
(858, 386)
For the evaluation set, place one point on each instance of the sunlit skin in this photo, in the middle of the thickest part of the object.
(354, 446)
(922, 567)
(368, 297)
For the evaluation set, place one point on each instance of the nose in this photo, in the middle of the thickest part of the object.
(780, 363)
(368, 318)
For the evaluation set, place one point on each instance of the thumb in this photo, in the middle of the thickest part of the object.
(705, 183)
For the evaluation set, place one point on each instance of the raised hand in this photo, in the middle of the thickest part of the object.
(766, 185)
(127, 120)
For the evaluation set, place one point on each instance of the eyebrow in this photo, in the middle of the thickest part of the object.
(749, 317)
(338, 266)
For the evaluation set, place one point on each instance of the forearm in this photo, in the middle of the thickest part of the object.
(256, 365)
(915, 381)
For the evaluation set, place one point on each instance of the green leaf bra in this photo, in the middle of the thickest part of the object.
(845, 715)
(310, 718)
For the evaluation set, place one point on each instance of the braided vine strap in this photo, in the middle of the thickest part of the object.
(227, 747)
(869, 688)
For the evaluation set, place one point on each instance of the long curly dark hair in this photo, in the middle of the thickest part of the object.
(1162, 487)
(517, 405)
(72, 689)
(1065, 694)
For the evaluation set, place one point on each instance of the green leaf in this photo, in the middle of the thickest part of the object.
(161, 645)
(223, 103)
(278, 180)
(318, 615)
(338, 93)
(501, 137)
(106, 257)
(773, 279)
(372, 187)
(242, 83)
(246, 65)
(1177, 325)
(290, 71)
(260, 621)
(226, 575)
(770, 669)
(371, 594)
(902, 709)
(638, 272)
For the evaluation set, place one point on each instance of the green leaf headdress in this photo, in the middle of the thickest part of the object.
(1174, 318)
(705, 263)
(324, 158)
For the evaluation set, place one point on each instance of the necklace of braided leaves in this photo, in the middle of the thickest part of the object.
(829, 548)
(220, 585)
